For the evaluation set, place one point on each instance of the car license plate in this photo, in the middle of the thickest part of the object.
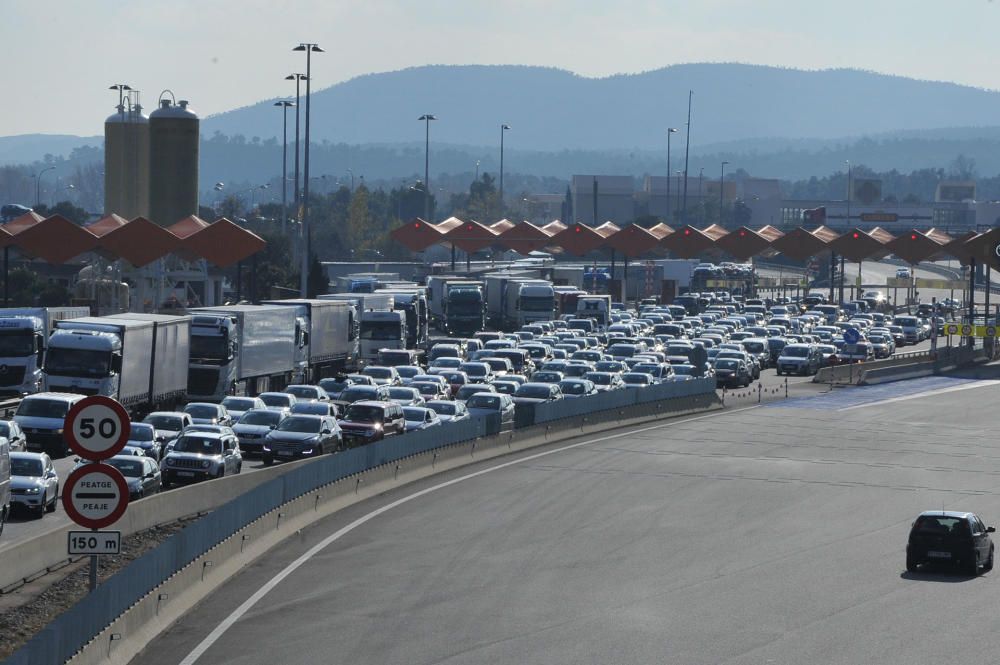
(185, 473)
(939, 555)
(285, 453)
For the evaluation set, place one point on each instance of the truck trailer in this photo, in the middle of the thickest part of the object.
(138, 361)
(24, 333)
(240, 350)
(326, 335)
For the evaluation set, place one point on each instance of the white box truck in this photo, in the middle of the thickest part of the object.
(138, 361)
(326, 335)
(240, 350)
(24, 333)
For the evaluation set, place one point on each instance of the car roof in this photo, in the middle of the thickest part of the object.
(372, 402)
(180, 414)
(208, 433)
(26, 455)
(946, 513)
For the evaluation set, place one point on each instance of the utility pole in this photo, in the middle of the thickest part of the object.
(687, 152)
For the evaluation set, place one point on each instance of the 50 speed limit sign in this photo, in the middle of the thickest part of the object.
(97, 428)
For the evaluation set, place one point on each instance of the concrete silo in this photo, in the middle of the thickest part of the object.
(173, 162)
(126, 162)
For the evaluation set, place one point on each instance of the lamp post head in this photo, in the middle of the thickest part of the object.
(671, 130)
(427, 116)
(504, 127)
(315, 48)
(284, 103)
(295, 77)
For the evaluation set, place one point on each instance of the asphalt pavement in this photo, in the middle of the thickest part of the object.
(770, 534)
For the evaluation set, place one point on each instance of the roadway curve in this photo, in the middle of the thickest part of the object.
(769, 534)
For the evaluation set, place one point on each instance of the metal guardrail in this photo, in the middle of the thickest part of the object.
(73, 629)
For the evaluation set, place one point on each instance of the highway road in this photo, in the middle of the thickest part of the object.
(21, 526)
(770, 534)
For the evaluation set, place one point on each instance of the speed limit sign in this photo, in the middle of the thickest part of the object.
(97, 428)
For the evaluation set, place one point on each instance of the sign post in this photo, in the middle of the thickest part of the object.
(95, 495)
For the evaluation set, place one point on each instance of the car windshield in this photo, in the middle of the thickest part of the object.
(130, 468)
(300, 424)
(414, 413)
(22, 466)
(171, 423)
(795, 352)
(355, 393)
(484, 402)
(260, 417)
(364, 413)
(238, 403)
(198, 444)
(444, 408)
(42, 408)
(202, 411)
(139, 433)
(275, 400)
(528, 390)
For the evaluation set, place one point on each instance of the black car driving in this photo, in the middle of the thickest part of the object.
(947, 537)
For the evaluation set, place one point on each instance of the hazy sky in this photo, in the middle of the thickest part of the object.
(61, 55)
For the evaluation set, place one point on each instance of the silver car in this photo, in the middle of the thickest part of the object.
(200, 456)
(34, 483)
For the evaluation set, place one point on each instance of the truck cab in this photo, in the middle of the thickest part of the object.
(212, 370)
(381, 330)
(83, 361)
(22, 348)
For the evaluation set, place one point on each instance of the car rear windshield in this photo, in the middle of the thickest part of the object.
(276, 400)
(528, 390)
(202, 411)
(941, 525)
(198, 444)
(172, 423)
(128, 467)
(445, 408)
(355, 393)
(260, 417)
(140, 433)
(484, 402)
(795, 352)
(238, 403)
(305, 392)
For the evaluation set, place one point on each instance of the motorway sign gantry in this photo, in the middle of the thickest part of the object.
(95, 495)
(97, 428)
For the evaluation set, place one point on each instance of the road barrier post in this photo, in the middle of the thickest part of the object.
(786, 387)
(760, 392)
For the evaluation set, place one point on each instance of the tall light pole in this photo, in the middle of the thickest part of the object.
(38, 187)
(722, 181)
(670, 130)
(477, 171)
(284, 104)
(848, 162)
(352, 179)
(687, 150)
(427, 117)
(306, 231)
(503, 129)
(298, 78)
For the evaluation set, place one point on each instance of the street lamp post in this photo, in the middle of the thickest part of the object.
(503, 129)
(298, 78)
(284, 104)
(687, 151)
(722, 181)
(309, 49)
(352, 179)
(670, 130)
(678, 173)
(427, 117)
(38, 187)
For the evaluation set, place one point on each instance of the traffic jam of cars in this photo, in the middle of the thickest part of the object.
(700, 335)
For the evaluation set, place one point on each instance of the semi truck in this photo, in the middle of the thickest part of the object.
(138, 359)
(412, 300)
(597, 307)
(326, 337)
(364, 282)
(457, 304)
(240, 350)
(381, 326)
(24, 333)
(515, 299)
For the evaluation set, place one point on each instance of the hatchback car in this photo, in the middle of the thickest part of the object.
(449, 411)
(200, 456)
(254, 425)
(482, 404)
(948, 537)
(276, 400)
(143, 436)
(420, 417)
(305, 393)
(206, 413)
(141, 474)
(237, 406)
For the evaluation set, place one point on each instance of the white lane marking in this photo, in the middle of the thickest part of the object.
(926, 393)
(238, 613)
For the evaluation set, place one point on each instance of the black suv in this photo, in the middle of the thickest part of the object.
(952, 538)
(369, 421)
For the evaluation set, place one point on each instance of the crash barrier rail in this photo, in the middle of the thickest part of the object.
(854, 374)
(74, 629)
(758, 393)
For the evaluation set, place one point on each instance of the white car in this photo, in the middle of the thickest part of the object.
(34, 483)
(419, 417)
(449, 411)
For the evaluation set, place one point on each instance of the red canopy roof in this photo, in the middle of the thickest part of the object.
(56, 240)
(223, 243)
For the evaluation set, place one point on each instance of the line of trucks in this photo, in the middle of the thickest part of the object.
(156, 361)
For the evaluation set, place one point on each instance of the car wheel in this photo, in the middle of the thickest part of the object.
(972, 566)
(911, 564)
(268, 460)
(988, 566)
(51, 508)
(221, 473)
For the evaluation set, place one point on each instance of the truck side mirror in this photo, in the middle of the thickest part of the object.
(116, 363)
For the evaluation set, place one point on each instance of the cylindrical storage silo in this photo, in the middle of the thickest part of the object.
(173, 162)
(126, 163)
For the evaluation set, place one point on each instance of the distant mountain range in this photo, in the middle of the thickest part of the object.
(770, 121)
